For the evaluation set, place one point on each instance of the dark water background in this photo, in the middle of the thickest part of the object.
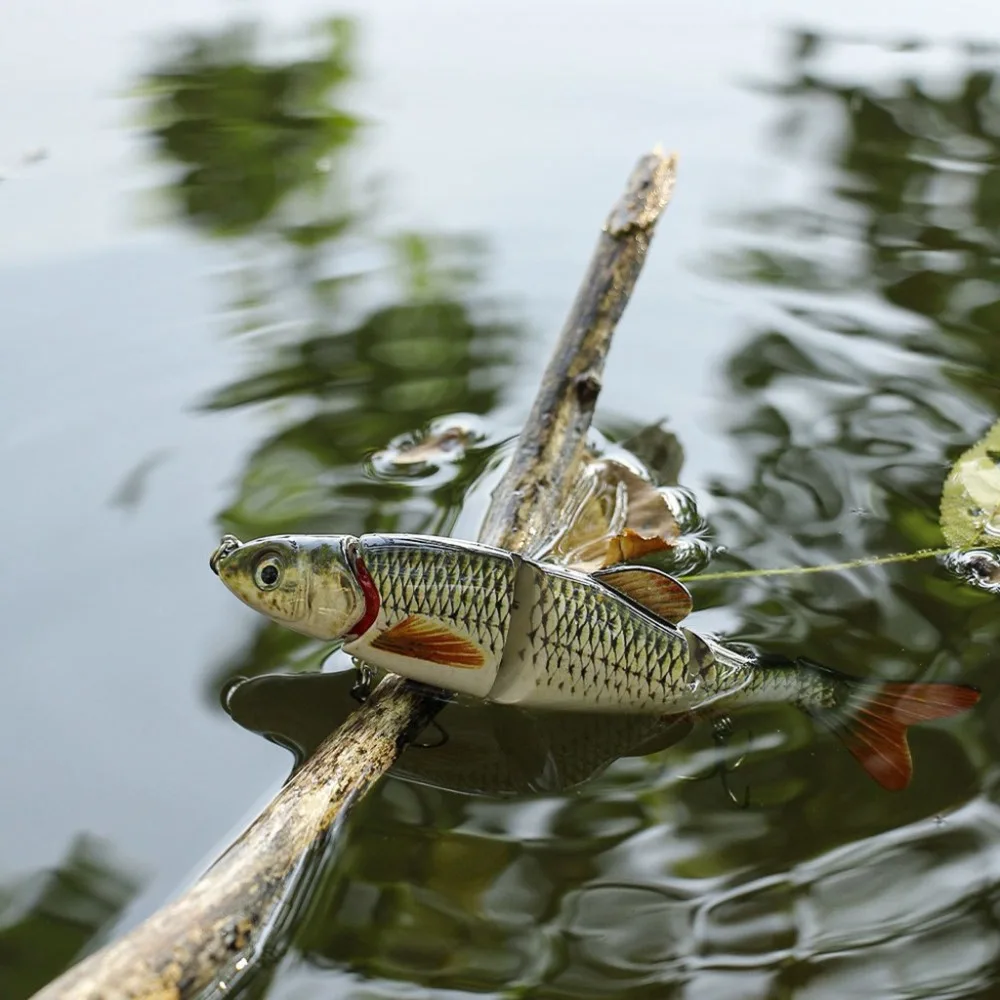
(244, 247)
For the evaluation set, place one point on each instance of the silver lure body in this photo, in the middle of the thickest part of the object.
(482, 621)
(552, 637)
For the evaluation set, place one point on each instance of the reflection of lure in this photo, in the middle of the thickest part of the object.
(488, 749)
(484, 622)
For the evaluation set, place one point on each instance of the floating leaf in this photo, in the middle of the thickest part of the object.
(433, 449)
(615, 515)
(631, 545)
(446, 442)
(970, 500)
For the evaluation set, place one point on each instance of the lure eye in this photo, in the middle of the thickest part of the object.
(267, 573)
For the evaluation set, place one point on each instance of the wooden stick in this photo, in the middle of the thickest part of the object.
(526, 503)
(213, 932)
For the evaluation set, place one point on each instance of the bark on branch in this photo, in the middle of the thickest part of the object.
(212, 933)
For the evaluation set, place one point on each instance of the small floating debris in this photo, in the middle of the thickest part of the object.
(978, 567)
(443, 442)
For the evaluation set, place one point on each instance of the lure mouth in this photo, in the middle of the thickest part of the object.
(226, 547)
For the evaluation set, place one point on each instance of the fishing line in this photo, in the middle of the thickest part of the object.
(897, 557)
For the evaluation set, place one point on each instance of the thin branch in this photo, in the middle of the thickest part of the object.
(527, 500)
(213, 933)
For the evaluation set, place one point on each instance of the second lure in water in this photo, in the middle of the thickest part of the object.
(485, 622)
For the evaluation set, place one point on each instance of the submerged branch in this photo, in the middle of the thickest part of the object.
(212, 934)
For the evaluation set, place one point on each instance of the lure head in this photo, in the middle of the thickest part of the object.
(315, 585)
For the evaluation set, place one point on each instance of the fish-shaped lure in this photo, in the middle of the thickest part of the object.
(485, 622)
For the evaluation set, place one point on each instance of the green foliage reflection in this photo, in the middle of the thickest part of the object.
(48, 920)
(354, 337)
(252, 139)
(875, 368)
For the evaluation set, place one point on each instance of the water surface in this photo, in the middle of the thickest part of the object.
(236, 263)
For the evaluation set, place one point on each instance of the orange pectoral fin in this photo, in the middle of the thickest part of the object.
(422, 638)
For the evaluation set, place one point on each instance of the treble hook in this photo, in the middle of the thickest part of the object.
(361, 689)
(364, 678)
(440, 743)
(722, 731)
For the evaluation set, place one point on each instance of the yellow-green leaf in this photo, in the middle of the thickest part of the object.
(970, 500)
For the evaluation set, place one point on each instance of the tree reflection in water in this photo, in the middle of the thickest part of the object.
(52, 918)
(875, 368)
(354, 337)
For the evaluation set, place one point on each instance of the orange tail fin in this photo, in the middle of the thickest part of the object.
(872, 723)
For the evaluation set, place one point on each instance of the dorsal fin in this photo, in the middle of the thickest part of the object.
(655, 590)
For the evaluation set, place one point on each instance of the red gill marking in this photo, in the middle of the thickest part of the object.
(373, 600)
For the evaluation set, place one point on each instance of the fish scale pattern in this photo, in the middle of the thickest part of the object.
(582, 645)
(587, 645)
(470, 588)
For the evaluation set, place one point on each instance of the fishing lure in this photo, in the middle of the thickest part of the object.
(486, 622)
